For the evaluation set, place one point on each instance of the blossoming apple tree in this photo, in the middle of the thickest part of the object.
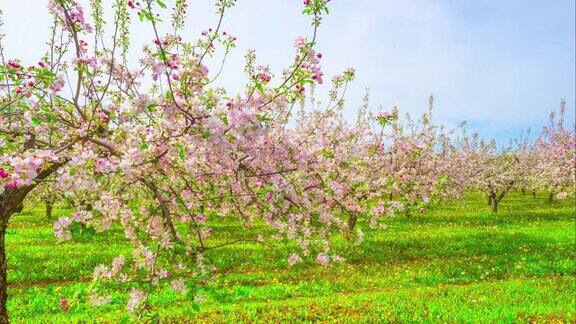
(555, 157)
(59, 102)
(162, 138)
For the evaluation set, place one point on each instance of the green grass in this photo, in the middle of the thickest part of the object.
(456, 262)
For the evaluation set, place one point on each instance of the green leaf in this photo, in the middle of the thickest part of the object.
(50, 118)
(264, 118)
(161, 4)
(36, 121)
(206, 134)
(260, 87)
(125, 320)
(382, 121)
(151, 107)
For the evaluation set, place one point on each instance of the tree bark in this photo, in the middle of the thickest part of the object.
(352, 219)
(494, 203)
(496, 198)
(3, 277)
(49, 206)
(489, 200)
(550, 197)
(11, 201)
(533, 194)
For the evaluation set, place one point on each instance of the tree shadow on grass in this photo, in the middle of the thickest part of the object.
(516, 217)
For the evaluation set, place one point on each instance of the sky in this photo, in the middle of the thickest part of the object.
(500, 65)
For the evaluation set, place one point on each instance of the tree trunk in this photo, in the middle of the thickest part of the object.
(550, 197)
(489, 200)
(523, 191)
(11, 201)
(533, 194)
(19, 208)
(352, 219)
(49, 206)
(3, 277)
(494, 203)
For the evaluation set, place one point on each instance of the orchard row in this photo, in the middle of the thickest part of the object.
(155, 148)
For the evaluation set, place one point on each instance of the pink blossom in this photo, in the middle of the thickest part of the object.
(14, 64)
(136, 299)
(14, 184)
(64, 304)
(57, 86)
(323, 259)
(4, 173)
(178, 285)
(61, 230)
(294, 259)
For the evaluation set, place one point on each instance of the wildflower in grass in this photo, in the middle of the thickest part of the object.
(294, 259)
(64, 304)
(178, 285)
(337, 258)
(135, 300)
(323, 259)
(99, 300)
(359, 236)
(562, 195)
(199, 299)
(101, 271)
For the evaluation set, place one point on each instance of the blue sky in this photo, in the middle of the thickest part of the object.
(500, 65)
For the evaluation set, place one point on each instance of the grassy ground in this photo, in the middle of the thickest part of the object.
(453, 263)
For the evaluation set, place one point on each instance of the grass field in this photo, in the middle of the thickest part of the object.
(454, 263)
